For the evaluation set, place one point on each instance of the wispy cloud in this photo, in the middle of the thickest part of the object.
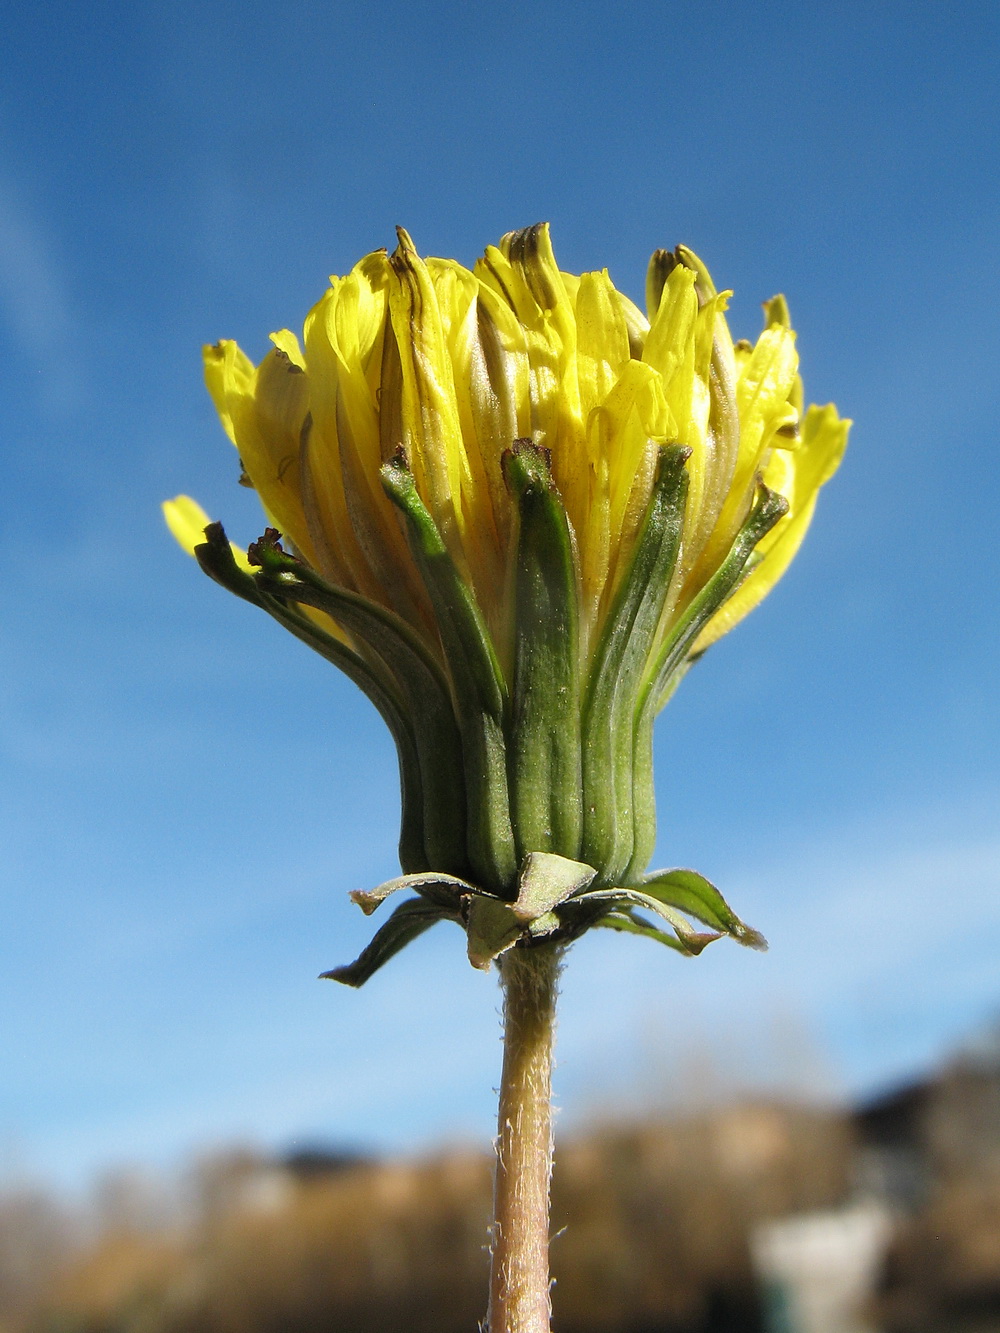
(885, 945)
(34, 301)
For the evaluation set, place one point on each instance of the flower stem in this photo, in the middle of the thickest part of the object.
(519, 1271)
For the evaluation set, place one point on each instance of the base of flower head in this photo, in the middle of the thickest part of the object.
(556, 903)
(551, 751)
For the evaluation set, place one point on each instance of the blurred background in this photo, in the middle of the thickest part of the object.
(188, 795)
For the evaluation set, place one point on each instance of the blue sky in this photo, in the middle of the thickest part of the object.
(187, 795)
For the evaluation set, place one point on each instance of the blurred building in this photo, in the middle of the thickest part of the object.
(758, 1217)
(819, 1271)
(933, 1150)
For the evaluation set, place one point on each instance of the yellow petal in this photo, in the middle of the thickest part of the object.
(286, 342)
(345, 506)
(523, 271)
(762, 391)
(633, 421)
(722, 436)
(485, 436)
(268, 415)
(672, 324)
(492, 378)
(499, 390)
(321, 471)
(635, 322)
(543, 346)
(429, 424)
(602, 347)
(798, 476)
(187, 522)
(623, 434)
(679, 347)
(224, 364)
(484, 500)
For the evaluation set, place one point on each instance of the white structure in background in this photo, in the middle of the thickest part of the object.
(819, 1270)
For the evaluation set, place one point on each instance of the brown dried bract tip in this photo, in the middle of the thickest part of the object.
(269, 541)
(528, 450)
(215, 535)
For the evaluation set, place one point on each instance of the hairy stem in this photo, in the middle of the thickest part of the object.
(519, 1272)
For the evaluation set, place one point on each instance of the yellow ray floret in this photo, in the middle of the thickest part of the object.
(187, 522)
(451, 365)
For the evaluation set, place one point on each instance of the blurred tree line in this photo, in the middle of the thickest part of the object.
(653, 1224)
